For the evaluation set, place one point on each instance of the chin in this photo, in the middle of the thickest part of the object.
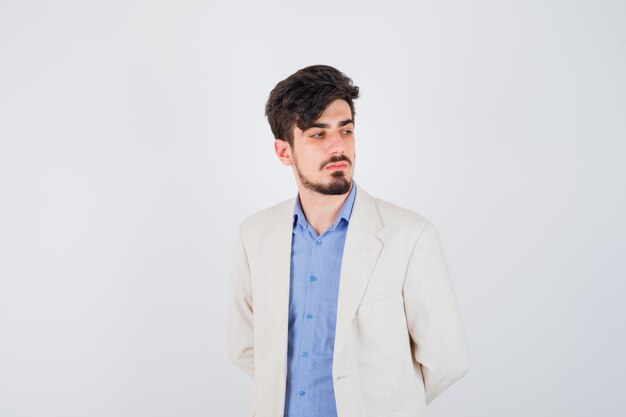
(340, 184)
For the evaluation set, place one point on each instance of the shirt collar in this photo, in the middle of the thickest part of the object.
(344, 213)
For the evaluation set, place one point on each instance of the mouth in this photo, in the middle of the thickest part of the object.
(336, 166)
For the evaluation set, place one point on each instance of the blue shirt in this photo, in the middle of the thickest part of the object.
(314, 281)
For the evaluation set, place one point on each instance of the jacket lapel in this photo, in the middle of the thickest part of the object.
(360, 255)
(277, 266)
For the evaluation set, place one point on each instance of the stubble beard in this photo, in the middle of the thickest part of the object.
(338, 185)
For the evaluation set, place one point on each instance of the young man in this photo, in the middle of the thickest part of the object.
(340, 303)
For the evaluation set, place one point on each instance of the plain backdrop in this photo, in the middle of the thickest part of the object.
(133, 141)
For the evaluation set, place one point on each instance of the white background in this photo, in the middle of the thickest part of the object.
(133, 142)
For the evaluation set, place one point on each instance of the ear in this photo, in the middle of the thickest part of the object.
(283, 151)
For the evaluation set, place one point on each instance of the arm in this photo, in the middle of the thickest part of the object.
(433, 320)
(240, 318)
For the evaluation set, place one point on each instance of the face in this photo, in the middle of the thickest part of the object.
(322, 156)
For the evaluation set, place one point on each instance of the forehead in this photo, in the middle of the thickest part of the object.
(338, 109)
(336, 114)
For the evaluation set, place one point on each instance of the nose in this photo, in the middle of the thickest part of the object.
(335, 144)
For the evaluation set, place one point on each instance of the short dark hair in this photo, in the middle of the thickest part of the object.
(303, 96)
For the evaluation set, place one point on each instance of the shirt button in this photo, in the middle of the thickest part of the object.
(318, 242)
(309, 316)
(305, 354)
(313, 278)
(301, 393)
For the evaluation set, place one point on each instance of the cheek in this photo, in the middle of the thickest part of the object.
(350, 153)
(308, 161)
(349, 144)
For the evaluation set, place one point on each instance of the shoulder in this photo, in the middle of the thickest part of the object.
(395, 216)
(266, 220)
(403, 215)
(400, 224)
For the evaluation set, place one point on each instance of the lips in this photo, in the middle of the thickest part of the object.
(336, 166)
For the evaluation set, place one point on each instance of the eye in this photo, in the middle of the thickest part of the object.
(347, 132)
(317, 135)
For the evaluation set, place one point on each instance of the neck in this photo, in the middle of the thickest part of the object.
(321, 210)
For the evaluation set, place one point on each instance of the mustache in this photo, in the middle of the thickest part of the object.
(335, 159)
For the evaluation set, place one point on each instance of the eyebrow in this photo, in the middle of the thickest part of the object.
(327, 126)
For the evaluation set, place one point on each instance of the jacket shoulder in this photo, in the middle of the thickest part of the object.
(395, 216)
(267, 219)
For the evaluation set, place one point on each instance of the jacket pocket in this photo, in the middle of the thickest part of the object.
(380, 304)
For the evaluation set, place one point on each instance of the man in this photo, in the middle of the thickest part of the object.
(340, 303)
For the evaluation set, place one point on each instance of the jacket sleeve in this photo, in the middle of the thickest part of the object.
(434, 323)
(240, 318)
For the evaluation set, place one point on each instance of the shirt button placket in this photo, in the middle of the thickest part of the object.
(309, 316)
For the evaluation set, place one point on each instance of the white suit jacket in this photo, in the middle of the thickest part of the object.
(399, 339)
